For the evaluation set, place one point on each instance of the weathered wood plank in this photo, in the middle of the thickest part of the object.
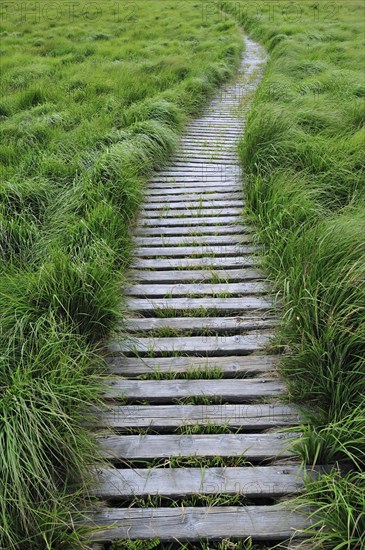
(181, 222)
(197, 288)
(227, 262)
(198, 130)
(196, 151)
(193, 143)
(193, 240)
(167, 193)
(252, 482)
(241, 365)
(218, 325)
(193, 204)
(187, 251)
(192, 196)
(223, 305)
(186, 181)
(195, 524)
(206, 153)
(168, 417)
(208, 168)
(195, 275)
(204, 171)
(193, 345)
(200, 159)
(162, 231)
(170, 391)
(251, 446)
(190, 212)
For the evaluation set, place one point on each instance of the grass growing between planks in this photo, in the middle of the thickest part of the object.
(225, 544)
(93, 100)
(303, 154)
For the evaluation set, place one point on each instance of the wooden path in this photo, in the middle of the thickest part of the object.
(194, 411)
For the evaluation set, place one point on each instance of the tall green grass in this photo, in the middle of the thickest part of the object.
(303, 153)
(91, 104)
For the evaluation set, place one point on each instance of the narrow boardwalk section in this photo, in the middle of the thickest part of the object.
(194, 410)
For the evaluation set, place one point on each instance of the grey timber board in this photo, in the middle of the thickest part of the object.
(196, 275)
(258, 417)
(239, 365)
(197, 288)
(170, 391)
(250, 446)
(209, 345)
(194, 524)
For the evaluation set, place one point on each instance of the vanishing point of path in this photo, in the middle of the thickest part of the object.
(193, 407)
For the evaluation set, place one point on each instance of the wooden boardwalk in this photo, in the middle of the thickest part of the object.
(193, 405)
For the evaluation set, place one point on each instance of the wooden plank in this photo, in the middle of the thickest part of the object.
(166, 191)
(241, 365)
(168, 417)
(217, 120)
(277, 523)
(192, 196)
(197, 130)
(162, 277)
(185, 182)
(251, 482)
(180, 222)
(193, 240)
(209, 168)
(196, 150)
(215, 136)
(198, 175)
(230, 262)
(206, 170)
(196, 288)
(218, 325)
(251, 446)
(195, 231)
(194, 345)
(191, 159)
(190, 212)
(170, 391)
(189, 251)
(190, 138)
(194, 203)
(223, 305)
(226, 147)
(216, 160)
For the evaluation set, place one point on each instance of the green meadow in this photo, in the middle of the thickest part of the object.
(93, 98)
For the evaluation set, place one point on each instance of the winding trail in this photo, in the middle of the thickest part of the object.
(193, 373)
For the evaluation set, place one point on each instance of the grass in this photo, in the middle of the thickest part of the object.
(303, 156)
(225, 544)
(91, 103)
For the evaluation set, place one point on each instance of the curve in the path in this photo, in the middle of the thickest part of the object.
(190, 376)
